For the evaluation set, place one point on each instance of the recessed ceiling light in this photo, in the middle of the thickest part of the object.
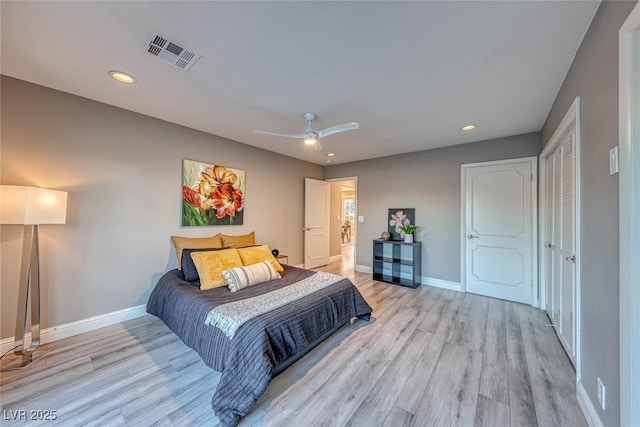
(329, 160)
(331, 154)
(122, 77)
(468, 127)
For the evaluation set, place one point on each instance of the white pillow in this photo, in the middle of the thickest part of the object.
(240, 277)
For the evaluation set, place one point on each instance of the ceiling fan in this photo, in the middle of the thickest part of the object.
(311, 136)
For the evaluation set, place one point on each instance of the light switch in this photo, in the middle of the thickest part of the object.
(613, 160)
(360, 218)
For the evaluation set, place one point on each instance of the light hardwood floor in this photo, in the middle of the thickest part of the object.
(429, 357)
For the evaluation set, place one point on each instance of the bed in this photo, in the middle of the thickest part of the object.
(249, 354)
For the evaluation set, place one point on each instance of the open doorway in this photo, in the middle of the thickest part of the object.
(343, 222)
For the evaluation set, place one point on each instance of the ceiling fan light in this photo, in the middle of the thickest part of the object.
(310, 140)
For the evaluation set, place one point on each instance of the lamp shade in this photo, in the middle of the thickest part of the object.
(32, 205)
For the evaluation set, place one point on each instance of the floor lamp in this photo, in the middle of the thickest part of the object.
(29, 206)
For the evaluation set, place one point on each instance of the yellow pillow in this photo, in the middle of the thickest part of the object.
(238, 241)
(210, 266)
(256, 254)
(180, 243)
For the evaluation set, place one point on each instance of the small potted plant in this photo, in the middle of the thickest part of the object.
(408, 230)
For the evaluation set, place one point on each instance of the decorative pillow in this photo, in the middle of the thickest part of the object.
(181, 243)
(239, 241)
(210, 266)
(240, 277)
(257, 254)
(189, 267)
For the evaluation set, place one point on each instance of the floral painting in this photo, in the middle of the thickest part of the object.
(399, 217)
(211, 194)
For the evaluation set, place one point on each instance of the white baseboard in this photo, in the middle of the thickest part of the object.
(439, 283)
(429, 281)
(335, 258)
(588, 408)
(363, 269)
(80, 326)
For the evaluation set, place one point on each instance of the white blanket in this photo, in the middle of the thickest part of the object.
(229, 317)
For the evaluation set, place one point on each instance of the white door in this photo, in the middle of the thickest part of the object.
(560, 245)
(499, 228)
(316, 228)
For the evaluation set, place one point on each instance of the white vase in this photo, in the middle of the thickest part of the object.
(408, 238)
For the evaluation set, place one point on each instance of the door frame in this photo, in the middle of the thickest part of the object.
(629, 184)
(534, 221)
(355, 186)
(570, 119)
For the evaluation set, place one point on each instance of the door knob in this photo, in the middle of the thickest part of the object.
(471, 236)
(571, 259)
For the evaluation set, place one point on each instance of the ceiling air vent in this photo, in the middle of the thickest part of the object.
(171, 52)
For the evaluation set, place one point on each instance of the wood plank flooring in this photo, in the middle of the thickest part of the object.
(429, 357)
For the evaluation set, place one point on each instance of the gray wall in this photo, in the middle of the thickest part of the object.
(428, 181)
(594, 77)
(123, 174)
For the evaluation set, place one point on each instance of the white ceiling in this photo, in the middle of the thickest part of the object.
(411, 73)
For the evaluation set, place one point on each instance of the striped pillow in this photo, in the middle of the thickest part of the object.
(240, 277)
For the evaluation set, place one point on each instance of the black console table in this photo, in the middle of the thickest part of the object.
(397, 262)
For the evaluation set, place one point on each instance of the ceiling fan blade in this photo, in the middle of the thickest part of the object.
(338, 128)
(285, 135)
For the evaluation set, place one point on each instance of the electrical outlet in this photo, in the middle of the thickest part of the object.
(602, 395)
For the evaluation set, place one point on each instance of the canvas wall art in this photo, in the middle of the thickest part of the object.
(398, 217)
(211, 194)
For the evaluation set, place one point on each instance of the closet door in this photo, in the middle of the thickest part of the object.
(567, 248)
(561, 271)
(552, 211)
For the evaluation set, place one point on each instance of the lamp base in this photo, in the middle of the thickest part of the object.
(21, 362)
